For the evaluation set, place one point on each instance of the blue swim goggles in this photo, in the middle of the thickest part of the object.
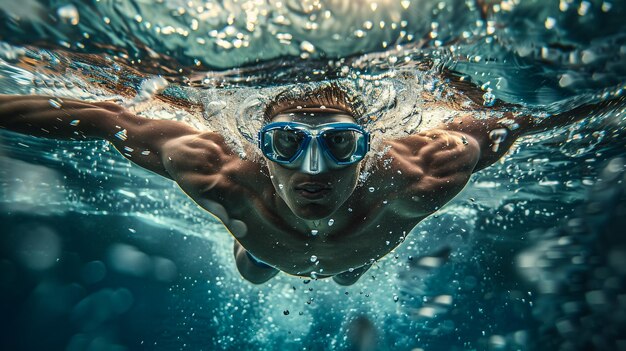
(298, 145)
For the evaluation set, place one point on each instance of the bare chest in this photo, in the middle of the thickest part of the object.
(339, 244)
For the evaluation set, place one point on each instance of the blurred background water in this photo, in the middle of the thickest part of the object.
(97, 254)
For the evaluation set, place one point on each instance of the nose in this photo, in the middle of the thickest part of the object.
(313, 162)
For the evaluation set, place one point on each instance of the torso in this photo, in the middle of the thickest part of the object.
(363, 231)
(365, 228)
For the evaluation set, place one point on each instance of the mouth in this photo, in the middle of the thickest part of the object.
(313, 191)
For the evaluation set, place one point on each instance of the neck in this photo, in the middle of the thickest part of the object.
(320, 228)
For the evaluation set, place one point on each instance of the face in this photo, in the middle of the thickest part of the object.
(312, 195)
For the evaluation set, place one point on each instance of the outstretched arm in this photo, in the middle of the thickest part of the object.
(496, 135)
(139, 139)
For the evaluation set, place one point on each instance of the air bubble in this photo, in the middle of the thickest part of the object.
(55, 103)
(149, 88)
(122, 135)
(583, 8)
(489, 99)
(307, 47)
(497, 136)
(68, 14)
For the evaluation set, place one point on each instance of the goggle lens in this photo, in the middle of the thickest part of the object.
(284, 142)
(287, 143)
(341, 143)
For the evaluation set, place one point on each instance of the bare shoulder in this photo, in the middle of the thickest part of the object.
(433, 166)
(437, 152)
(198, 162)
(211, 173)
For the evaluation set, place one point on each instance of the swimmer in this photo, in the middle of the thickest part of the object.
(301, 211)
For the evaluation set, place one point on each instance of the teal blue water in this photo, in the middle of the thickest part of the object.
(98, 254)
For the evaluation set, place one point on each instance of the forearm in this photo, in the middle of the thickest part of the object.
(496, 135)
(50, 117)
(518, 123)
(138, 138)
(539, 124)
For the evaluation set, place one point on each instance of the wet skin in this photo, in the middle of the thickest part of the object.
(418, 174)
(415, 176)
(273, 215)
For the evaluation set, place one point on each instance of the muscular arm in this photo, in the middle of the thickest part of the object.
(496, 135)
(467, 98)
(139, 139)
(435, 166)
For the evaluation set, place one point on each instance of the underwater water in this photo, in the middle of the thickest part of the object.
(99, 254)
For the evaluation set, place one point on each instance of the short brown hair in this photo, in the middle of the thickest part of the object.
(327, 94)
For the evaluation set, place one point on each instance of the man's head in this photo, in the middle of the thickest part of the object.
(314, 148)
